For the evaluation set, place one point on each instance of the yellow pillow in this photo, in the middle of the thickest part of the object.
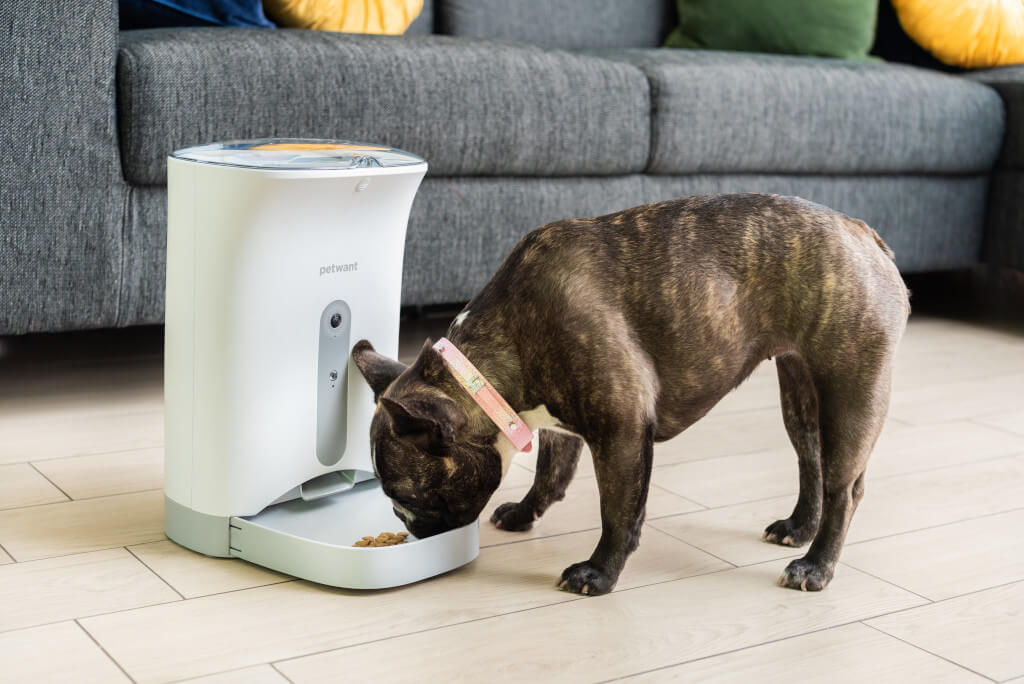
(348, 16)
(966, 33)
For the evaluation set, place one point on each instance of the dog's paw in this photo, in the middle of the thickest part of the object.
(512, 517)
(804, 575)
(586, 578)
(787, 533)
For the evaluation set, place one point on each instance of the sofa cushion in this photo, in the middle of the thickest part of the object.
(1009, 83)
(728, 112)
(469, 107)
(568, 24)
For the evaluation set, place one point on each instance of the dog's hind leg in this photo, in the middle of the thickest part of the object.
(800, 414)
(557, 456)
(852, 413)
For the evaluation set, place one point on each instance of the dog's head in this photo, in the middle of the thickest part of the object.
(438, 474)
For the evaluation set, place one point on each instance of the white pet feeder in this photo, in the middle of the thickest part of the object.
(281, 254)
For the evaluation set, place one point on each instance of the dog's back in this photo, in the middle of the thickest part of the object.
(710, 286)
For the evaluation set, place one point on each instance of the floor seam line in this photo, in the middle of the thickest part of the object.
(79, 553)
(278, 671)
(889, 582)
(492, 617)
(977, 420)
(925, 650)
(742, 648)
(105, 651)
(11, 630)
(972, 518)
(939, 602)
(693, 546)
(58, 487)
(427, 629)
(987, 459)
(146, 565)
(680, 496)
(585, 529)
(47, 459)
(88, 498)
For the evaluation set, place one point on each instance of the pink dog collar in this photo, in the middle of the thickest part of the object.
(484, 394)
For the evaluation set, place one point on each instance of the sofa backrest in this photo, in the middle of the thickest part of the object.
(570, 24)
(424, 23)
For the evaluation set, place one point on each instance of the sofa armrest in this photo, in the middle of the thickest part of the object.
(61, 191)
(1009, 83)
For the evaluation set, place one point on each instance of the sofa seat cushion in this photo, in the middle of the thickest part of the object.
(729, 112)
(469, 107)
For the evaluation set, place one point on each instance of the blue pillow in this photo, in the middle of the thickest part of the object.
(139, 14)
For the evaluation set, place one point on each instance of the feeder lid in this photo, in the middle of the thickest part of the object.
(298, 154)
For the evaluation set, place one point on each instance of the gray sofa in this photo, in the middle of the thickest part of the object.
(527, 111)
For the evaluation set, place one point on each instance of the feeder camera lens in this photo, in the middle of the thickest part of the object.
(335, 320)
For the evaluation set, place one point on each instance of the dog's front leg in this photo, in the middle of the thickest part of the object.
(557, 456)
(623, 466)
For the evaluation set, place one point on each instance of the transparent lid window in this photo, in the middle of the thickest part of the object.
(297, 153)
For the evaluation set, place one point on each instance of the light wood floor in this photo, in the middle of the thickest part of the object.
(930, 588)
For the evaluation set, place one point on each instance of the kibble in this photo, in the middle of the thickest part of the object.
(383, 539)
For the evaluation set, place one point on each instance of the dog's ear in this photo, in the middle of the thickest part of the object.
(431, 422)
(429, 363)
(378, 370)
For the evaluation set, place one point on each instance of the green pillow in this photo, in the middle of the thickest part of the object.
(827, 28)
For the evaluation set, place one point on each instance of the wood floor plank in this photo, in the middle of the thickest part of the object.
(121, 472)
(851, 654)
(194, 574)
(243, 628)
(579, 511)
(21, 485)
(77, 435)
(916, 448)
(659, 559)
(726, 433)
(956, 400)
(584, 469)
(1011, 421)
(981, 631)
(758, 392)
(517, 476)
(259, 674)
(950, 560)
(605, 637)
(80, 526)
(731, 479)
(955, 362)
(717, 434)
(55, 653)
(745, 477)
(892, 505)
(56, 589)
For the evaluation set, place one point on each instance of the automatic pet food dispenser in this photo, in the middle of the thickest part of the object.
(281, 254)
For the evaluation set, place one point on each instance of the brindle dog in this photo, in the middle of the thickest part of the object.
(622, 331)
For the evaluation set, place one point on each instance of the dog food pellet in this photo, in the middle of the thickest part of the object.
(383, 539)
